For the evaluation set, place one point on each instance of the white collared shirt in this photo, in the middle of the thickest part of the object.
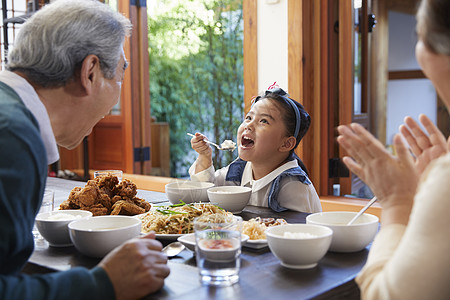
(293, 195)
(31, 100)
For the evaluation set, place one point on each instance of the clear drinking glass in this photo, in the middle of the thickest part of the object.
(48, 204)
(218, 248)
(117, 173)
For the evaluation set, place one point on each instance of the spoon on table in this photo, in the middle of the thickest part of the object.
(173, 249)
(372, 201)
(227, 145)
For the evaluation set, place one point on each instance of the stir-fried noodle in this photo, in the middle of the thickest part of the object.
(177, 219)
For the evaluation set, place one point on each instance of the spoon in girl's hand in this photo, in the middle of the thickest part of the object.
(227, 145)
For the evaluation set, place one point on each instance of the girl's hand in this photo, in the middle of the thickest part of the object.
(425, 147)
(204, 160)
(393, 179)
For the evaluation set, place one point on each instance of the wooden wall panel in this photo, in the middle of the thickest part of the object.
(249, 8)
(346, 46)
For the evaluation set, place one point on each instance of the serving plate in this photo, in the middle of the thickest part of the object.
(255, 244)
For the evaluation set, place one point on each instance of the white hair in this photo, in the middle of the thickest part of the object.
(53, 43)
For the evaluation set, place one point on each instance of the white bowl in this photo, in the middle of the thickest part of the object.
(97, 236)
(303, 251)
(52, 225)
(230, 197)
(188, 240)
(350, 238)
(187, 191)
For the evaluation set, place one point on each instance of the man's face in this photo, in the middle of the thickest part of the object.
(106, 94)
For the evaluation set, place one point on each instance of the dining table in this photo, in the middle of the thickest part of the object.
(261, 275)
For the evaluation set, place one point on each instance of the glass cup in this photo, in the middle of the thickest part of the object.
(117, 173)
(218, 248)
(48, 204)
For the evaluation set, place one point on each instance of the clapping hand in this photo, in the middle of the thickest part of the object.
(425, 147)
(393, 179)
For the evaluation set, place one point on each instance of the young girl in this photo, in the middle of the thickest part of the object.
(266, 140)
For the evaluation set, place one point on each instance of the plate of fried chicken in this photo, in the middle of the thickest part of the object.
(104, 195)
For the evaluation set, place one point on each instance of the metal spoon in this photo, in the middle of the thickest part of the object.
(173, 249)
(372, 201)
(217, 146)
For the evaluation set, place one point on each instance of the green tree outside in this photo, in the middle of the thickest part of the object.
(196, 74)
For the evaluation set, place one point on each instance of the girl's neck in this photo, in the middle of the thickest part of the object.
(260, 170)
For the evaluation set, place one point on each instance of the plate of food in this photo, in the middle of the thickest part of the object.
(255, 228)
(169, 222)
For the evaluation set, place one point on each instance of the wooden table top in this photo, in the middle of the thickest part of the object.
(261, 275)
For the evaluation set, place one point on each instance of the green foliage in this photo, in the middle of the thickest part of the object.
(196, 74)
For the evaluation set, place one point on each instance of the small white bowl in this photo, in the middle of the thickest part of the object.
(187, 191)
(232, 198)
(349, 238)
(188, 240)
(97, 236)
(303, 251)
(52, 225)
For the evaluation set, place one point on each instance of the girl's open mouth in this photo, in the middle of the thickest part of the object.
(247, 142)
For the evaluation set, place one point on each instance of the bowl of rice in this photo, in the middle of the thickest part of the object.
(299, 246)
(52, 225)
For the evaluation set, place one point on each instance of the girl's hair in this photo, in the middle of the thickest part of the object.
(53, 43)
(433, 25)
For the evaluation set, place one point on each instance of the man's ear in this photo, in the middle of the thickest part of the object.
(90, 73)
(288, 144)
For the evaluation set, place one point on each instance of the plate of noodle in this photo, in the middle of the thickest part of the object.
(256, 230)
(172, 221)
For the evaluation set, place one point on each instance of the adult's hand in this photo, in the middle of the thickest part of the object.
(425, 147)
(393, 179)
(136, 268)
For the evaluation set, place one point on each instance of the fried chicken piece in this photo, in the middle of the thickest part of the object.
(67, 204)
(124, 207)
(126, 189)
(85, 196)
(96, 209)
(106, 184)
(106, 201)
(142, 203)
